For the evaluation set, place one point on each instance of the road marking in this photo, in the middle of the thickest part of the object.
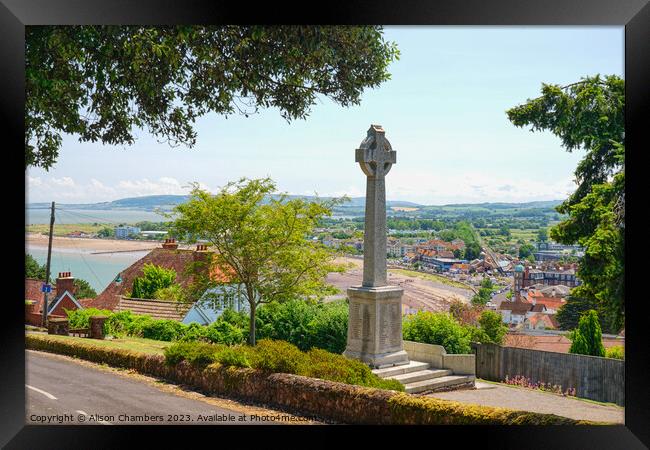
(103, 422)
(40, 391)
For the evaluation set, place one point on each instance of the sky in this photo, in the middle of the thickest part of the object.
(443, 111)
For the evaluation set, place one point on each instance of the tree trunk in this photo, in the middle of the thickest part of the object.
(251, 336)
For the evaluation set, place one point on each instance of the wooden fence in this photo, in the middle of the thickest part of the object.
(594, 378)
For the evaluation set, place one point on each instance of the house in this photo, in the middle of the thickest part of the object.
(61, 298)
(540, 321)
(514, 313)
(550, 296)
(187, 264)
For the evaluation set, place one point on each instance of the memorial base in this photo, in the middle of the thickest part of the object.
(375, 326)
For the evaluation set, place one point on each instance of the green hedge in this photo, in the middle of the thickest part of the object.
(280, 357)
(304, 324)
(336, 401)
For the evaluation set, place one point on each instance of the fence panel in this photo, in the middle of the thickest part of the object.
(595, 378)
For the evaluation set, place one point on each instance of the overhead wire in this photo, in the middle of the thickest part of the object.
(83, 258)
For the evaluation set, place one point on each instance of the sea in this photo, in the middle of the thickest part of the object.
(97, 270)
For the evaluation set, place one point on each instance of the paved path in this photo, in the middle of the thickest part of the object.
(504, 396)
(61, 391)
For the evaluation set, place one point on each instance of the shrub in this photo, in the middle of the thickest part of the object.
(493, 327)
(118, 323)
(305, 324)
(233, 356)
(163, 330)
(223, 332)
(80, 318)
(136, 326)
(287, 321)
(239, 319)
(278, 356)
(617, 352)
(333, 367)
(196, 353)
(439, 329)
(328, 330)
(192, 332)
(153, 278)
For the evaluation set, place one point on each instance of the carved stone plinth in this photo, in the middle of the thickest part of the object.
(375, 326)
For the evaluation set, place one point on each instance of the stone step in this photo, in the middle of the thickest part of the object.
(420, 375)
(412, 366)
(437, 383)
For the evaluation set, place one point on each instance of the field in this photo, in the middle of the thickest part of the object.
(528, 235)
(403, 208)
(64, 229)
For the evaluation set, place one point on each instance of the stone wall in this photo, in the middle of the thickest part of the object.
(437, 356)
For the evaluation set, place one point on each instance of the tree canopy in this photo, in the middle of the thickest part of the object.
(102, 83)
(589, 115)
(261, 242)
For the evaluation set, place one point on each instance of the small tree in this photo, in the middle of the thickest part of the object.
(587, 338)
(33, 269)
(261, 241)
(83, 289)
(153, 278)
(492, 325)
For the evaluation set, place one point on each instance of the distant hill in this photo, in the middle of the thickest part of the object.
(355, 207)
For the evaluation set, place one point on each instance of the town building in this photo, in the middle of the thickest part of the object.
(553, 297)
(526, 276)
(187, 264)
(124, 232)
(541, 321)
(515, 313)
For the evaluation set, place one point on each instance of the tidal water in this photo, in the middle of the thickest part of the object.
(98, 270)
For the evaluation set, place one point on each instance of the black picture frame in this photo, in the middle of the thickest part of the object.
(634, 15)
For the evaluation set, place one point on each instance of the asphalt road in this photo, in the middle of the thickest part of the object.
(64, 392)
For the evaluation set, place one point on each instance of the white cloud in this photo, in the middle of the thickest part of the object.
(68, 190)
(474, 187)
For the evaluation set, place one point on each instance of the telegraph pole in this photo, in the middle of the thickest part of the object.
(47, 267)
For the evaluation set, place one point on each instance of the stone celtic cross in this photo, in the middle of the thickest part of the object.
(376, 157)
(375, 310)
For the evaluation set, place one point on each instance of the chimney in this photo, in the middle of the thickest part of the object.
(200, 256)
(170, 244)
(64, 282)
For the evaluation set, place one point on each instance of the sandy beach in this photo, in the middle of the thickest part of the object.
(91, 245)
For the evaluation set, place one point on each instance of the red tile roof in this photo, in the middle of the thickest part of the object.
(555, 343)
(176, 259)
(33, 292)
(158, 309)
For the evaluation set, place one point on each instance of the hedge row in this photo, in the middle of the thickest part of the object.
(227, 329)
(331, 400)
(280, 357)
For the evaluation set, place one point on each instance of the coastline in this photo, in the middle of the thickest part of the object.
(40, 241)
